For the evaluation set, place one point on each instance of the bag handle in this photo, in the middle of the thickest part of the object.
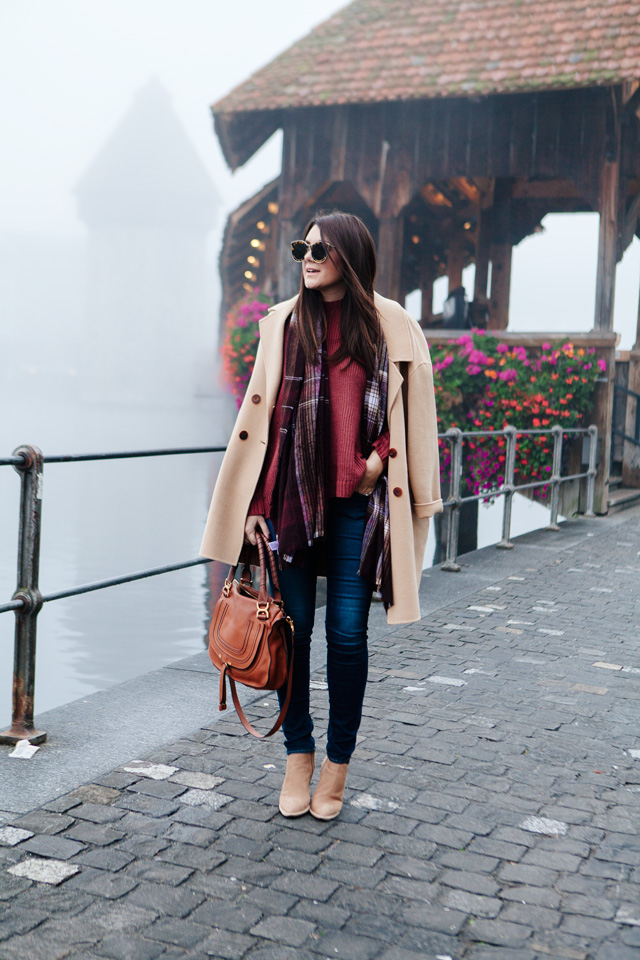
(273, 567)
(265, 555)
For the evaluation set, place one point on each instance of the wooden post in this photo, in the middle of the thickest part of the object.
(607, 244)
(427, 278)
(288, 272)
(631, 453)
(483, 242)
(500, 286)
(390, 234)
(455, 262)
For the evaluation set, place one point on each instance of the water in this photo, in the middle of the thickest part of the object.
(108, 518)
(105, 519)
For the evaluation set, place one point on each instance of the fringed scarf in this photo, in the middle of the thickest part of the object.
(300, 494)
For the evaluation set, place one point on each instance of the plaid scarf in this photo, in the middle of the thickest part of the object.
(375, 559)
(300, 494)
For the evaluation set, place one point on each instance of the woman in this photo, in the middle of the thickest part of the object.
(335, 454)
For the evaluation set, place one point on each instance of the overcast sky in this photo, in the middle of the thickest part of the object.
(69, 70)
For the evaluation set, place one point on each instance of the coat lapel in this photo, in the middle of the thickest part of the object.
(272, 340)
(399, 345)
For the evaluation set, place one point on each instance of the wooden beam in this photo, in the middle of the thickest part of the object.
(631, 97)
(544, 190)
(389, 257)
(500, 286)
(630, 224)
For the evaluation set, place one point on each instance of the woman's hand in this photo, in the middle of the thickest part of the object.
(373, 469)
(253, 523)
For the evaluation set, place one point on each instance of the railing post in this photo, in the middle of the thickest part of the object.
(454, 435)
(511, 437)
(24, 662)
(555, 477)
(592, 470)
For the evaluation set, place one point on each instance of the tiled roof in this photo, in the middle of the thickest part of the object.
(376, 50)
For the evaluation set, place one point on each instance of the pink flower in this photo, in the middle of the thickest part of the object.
(465, 338)
(445, 362)
(503, 348)
(477, 356)
(602, 365)
(473, 369)
(508, 375)
(546, 346)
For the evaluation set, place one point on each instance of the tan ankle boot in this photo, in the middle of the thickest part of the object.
(294, 796)
(327, 799)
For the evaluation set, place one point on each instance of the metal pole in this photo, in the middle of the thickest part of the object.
(454, 435)
(555, 477)
(24, 662)
(592, 470)
(508, 487)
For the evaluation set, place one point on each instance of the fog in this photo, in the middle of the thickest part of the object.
(113, 199)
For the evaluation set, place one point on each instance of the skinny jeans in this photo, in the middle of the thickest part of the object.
(348, 603)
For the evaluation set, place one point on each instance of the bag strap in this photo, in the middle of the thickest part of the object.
(236, 702)
(266, 553)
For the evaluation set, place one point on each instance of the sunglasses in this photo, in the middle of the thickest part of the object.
(319, 250)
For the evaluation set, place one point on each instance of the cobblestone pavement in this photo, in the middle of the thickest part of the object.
(492, 808)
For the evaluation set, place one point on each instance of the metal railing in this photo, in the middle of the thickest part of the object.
(27, 601)
(618, 390)
(508, 487)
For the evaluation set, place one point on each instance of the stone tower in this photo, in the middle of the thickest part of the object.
(148, 203)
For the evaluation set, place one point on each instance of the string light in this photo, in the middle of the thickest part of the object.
(249, 275)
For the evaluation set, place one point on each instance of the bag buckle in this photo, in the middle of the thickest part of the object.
(226, 590)
(263, 611)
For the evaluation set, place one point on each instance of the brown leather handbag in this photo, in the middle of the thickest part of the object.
(251, 637)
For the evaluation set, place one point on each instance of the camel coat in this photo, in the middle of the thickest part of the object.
(413, 470)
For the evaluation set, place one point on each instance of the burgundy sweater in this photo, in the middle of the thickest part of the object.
(346, 467)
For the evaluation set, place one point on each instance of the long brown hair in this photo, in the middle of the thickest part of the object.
(352, 249)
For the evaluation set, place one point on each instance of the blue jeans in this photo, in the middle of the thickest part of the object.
(348, 602)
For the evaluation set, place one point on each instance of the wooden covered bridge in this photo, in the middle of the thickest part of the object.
(452, 129)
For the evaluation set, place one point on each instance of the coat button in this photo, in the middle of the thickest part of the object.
(397, 492)
(256, 398)
(393, 452)
(243, 434)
